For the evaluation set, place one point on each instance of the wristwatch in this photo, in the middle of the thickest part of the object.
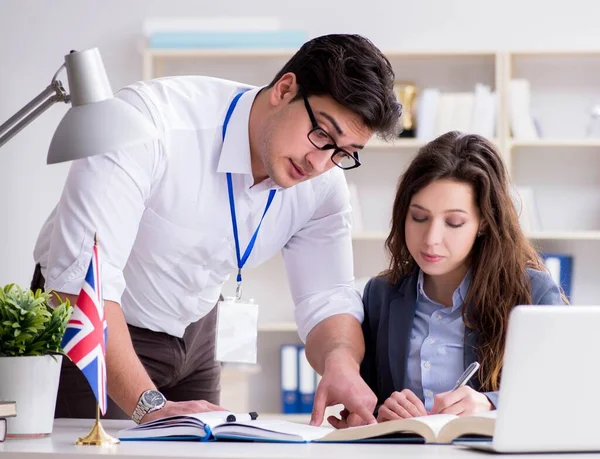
(149, 401)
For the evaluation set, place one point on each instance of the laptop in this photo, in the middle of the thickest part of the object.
(549, 397)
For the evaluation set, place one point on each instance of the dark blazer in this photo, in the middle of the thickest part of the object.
(389, 315)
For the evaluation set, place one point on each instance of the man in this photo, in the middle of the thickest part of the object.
(162, 211)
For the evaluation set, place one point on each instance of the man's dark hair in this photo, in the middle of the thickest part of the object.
(355, 73)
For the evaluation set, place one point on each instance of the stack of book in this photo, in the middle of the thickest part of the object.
(439, 112)
(522, 123)
(7, 410)
(221, 33)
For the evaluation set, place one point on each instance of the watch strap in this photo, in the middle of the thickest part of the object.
(139, 412)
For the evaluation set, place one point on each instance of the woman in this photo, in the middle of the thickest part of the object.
(459, 262)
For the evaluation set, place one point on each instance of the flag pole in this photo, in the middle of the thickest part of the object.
(97, 436)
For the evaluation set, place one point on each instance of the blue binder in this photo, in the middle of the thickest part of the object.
(306, 382)
(289, 379)
(560, 267)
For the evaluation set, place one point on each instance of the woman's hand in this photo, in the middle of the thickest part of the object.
(401, 405)
(461, 402)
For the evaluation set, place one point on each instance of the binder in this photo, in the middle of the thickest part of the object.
(289, 379)
(560, 267)
(306, 382)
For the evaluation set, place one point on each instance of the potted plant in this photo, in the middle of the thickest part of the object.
(30, 356)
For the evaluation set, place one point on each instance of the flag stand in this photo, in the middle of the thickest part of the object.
(97, 436)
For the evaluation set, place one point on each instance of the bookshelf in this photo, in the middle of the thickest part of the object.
(563, 167)
(155, 59)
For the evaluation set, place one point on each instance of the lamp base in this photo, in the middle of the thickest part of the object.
(97, 437)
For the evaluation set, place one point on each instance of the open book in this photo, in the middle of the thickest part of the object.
(216, 426)
(440, 428)
(435, 428)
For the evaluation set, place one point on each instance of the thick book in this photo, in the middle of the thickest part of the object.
(441, 428)
(435, 428)
(2, 429)
(8, 409)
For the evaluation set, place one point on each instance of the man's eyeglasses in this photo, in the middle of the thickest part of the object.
(323, 141)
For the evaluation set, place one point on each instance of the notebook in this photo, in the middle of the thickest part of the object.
(548, 397)
(214, 426)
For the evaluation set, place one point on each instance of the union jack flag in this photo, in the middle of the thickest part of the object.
(85, 337)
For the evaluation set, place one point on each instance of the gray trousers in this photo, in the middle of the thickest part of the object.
(181, 368)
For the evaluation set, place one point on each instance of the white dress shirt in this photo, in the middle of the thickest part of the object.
(162, 216)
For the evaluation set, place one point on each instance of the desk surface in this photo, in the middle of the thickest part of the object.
(61, 445)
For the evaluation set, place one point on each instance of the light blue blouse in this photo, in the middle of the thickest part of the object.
(436, 357)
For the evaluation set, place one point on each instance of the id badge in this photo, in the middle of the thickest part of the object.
(237, 331)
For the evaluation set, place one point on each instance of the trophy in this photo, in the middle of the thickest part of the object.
(406, 92)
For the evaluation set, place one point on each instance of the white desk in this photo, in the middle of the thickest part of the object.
(66, 431)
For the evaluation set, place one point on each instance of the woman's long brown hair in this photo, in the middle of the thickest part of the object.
(499, 257)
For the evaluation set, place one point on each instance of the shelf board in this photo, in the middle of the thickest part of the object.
(278, 327)
(556, 143)
(400, 143)
(370, 236)
(283, 52)
(538, 235)
(219, 53)
(592, 52)
(565, 235)
(428, 53)
(237, 370)
(376, 143)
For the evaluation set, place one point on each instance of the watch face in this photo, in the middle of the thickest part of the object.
(153, 398)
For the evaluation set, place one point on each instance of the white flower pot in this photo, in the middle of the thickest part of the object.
(33, 383)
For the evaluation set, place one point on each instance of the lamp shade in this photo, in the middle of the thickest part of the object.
(98, 128)
(97, 122)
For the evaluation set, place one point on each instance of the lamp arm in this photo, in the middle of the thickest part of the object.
(55, 92)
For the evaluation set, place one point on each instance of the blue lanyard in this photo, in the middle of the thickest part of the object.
(241, 260)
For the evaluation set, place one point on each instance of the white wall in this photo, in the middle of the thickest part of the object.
(34, 36)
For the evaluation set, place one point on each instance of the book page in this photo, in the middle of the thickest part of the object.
(436, 422)
(182, 431)
(478, 424)
(424, 426)
(271, 429)
(180, 425)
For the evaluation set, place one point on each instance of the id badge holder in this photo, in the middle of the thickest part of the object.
(237, 330)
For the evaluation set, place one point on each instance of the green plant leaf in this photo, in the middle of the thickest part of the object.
(28, 325)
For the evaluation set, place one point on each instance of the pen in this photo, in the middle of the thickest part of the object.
(467, 375)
